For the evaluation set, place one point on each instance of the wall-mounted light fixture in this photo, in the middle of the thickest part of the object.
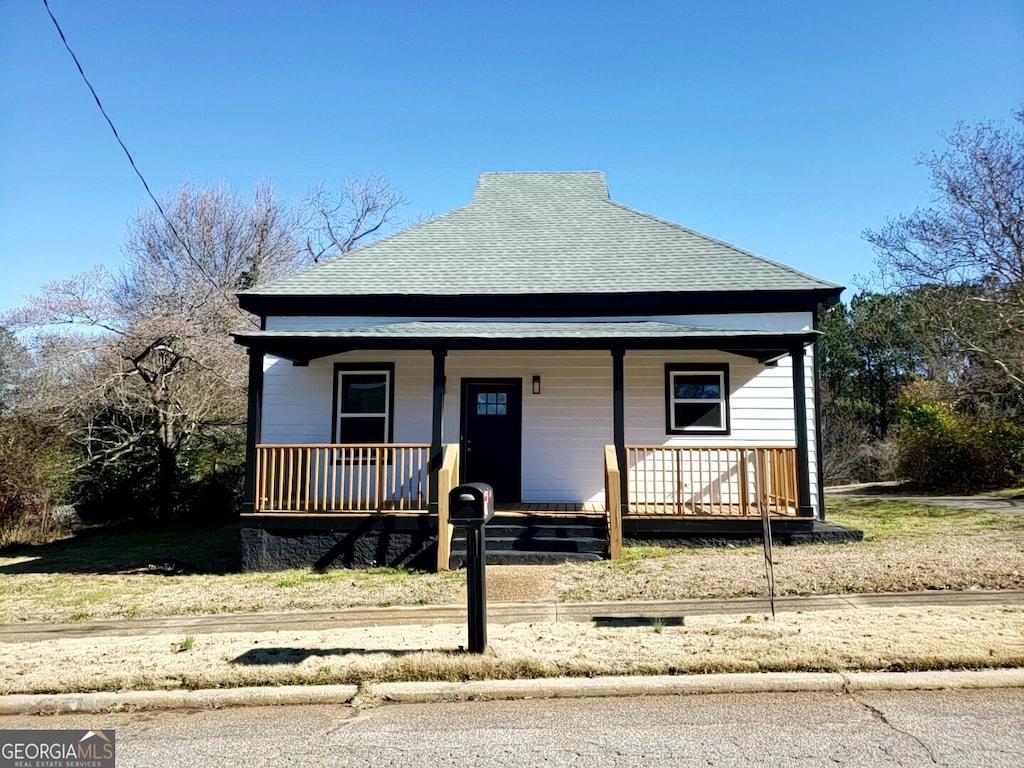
(536, 385)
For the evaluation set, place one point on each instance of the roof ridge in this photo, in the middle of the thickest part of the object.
(716, 240)
(538, 173)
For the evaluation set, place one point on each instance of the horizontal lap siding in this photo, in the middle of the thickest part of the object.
(297, 400)
(564, 427)
(751, 321)
(761, 402)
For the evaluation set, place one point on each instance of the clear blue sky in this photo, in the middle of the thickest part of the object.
(783, 127)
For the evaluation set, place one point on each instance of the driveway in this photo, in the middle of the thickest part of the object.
(978, 502)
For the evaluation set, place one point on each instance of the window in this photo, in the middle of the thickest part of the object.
(696, 399)
(491, 403)
(363, 403)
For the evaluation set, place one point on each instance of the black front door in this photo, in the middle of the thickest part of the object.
(492, 435)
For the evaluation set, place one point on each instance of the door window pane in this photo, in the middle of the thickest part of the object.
(492, 403)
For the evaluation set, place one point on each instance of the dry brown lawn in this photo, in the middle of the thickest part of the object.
(147, 574)
(861, 639)
(907, 547)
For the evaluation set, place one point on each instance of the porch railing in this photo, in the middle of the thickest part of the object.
(730, 481)
(613, 501)
(342, 478)
(447, 478)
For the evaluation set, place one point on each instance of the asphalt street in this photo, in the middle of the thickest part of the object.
(947, 728)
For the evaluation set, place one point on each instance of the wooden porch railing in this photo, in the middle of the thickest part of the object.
(318, 478)
(613, 502)
(728, 481)
(447, 478)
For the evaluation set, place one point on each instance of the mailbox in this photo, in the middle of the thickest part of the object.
(471, 504)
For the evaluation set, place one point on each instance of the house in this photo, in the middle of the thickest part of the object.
(609, 373)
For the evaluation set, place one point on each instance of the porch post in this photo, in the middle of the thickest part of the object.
(818, 443)
(436, 431)
(253, 426)
(619, 421)
(803, 455)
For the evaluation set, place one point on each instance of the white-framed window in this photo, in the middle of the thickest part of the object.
(363, 403)
(696, 399)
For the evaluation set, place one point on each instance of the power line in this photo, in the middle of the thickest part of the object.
(128, 154)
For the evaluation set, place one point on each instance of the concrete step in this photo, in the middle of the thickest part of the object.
(505, 530)
(538, 544)
(522, 557)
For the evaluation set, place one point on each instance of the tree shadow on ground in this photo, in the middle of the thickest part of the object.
(877, 489)
(272, 656)
(131, 550)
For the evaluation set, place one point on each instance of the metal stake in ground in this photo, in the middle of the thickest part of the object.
(769, 567)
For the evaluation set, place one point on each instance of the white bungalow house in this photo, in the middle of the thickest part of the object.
(609, 373)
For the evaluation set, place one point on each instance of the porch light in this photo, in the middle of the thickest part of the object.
(536, 385)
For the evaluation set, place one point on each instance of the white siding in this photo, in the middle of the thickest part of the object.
(564, 427)
(751, 321)
(297, 400)
(760, 402)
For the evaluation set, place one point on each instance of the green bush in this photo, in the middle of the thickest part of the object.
(940, 449)
(33, 462)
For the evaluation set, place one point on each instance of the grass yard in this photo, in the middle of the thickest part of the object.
(131, 574)
(127, 574)
(862, 639)
(907, 547)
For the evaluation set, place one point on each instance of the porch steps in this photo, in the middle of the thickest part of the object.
(538, 540)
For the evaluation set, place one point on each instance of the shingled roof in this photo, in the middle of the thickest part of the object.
(537, 234)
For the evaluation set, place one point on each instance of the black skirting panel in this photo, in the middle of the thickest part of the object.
(340, 543)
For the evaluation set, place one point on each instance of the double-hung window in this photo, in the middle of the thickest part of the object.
(696, 399)
(363, 403)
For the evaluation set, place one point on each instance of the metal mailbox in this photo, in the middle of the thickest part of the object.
(471, 504)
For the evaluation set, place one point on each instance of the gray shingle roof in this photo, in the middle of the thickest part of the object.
(522, 330)
(542, 233)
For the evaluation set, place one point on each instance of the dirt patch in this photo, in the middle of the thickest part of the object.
(521, 583)
(901, 639)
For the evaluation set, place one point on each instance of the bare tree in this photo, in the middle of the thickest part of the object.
(143, 356)
(335, 222)
(965, 254)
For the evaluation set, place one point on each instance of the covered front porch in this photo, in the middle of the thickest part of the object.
(592, 384)
(312, 484)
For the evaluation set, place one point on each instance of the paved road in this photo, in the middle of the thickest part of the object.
(965, 728)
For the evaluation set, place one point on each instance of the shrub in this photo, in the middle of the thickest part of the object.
(943, 450)
(33, 461)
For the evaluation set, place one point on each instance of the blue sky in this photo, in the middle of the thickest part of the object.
(784, 127)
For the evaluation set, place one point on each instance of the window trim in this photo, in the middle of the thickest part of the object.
(718, 369)
(388, 369)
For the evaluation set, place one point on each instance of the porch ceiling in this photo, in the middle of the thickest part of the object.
(302, 346)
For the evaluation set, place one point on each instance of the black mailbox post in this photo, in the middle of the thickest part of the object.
(471, 506)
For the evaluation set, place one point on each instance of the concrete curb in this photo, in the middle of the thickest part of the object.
(65, 703)
(668, 685)
(574, 688)
(487, 690)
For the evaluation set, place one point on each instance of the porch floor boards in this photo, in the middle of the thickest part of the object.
(555, 509)
(552, 508)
